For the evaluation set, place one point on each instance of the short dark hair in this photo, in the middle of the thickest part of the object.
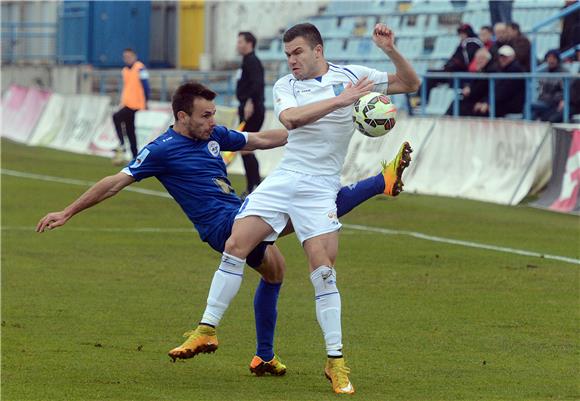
(308, 31)
(515, 26)
(185, 95)
(128, 49)
(487, 28)
(249, 37)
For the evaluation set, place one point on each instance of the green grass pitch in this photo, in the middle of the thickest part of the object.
(90, 310)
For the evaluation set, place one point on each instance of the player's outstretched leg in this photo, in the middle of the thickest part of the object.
(393, 172)
(351, 196)
(202, 340)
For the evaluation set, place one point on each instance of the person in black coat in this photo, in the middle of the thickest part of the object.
(509, 93)
(250, 94)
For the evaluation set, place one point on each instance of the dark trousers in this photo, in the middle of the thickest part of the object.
(124, 121)
(251, 165)
(500, 11)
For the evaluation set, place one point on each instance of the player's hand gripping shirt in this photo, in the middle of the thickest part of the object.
(320, 148)
(193, 173)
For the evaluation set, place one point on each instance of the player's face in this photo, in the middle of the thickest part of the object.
(303, 59)
(202, 120)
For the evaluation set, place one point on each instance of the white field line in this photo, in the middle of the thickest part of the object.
(357, 227)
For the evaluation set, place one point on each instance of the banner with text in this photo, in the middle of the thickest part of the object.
(22, 107)
(562, 193)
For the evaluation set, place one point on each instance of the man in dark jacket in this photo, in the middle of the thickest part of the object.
(521, 45)
(250, 94)
(477, 90)
(551, 91)
(509, 93)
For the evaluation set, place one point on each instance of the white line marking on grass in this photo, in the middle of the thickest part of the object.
(357, 227)
(468, 244)
(108, 230)
(81, 183)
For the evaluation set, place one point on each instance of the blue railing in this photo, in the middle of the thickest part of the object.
(456, 77)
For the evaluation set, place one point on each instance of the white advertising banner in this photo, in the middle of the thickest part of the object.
(498, 161)
(70, 122)
(21, 109)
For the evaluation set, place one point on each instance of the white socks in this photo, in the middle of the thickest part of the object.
(328, 308)
(224, 287)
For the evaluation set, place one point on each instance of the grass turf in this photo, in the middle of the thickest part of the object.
(89, 313)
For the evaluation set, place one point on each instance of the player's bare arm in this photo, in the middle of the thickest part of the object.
(405, 79)
(266, 139)
(102, 190)
(296, 117)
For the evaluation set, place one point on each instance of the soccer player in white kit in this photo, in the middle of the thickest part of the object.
(315, 104)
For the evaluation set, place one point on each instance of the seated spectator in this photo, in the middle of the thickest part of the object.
(521, 45)
(551, 91)
(477, 90)
(463, 55)
(486, 36)
(509, 93)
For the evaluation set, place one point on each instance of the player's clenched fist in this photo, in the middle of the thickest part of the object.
(384, 37)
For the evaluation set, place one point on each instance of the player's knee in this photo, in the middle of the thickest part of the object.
(235, 247)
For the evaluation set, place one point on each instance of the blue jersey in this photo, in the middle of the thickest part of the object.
(194, 174)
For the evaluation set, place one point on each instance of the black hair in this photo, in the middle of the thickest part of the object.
(487, 28)
(185, 95)
(515, 26)
(249, 37)
(308, 31)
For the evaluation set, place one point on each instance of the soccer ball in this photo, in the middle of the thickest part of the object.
(374, 114)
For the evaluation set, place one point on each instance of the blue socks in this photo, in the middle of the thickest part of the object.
(266, 313)
(353, 195)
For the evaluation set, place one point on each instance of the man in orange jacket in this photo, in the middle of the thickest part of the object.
(133, 98)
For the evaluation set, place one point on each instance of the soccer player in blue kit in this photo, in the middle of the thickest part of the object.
(186, 160)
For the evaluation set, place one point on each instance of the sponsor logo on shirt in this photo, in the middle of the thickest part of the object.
(140, 158)
(304, 90)
(223, 185)
(337, 88)
(214, 148)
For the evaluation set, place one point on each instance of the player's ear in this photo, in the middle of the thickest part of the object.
(318, 50)
(182, 115)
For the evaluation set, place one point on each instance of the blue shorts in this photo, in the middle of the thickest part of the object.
(217, 240)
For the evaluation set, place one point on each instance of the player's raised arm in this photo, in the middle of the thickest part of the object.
(299, 116)
(102, 190)
(405, 79)
(266, 139)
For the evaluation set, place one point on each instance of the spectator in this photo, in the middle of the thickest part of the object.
(464, 53)
(500, 11)
(486, 36)
(509, 93)
(250, 94)
(133, 98)
(520, 43)
(501, 38)
(477, 90)
(550, 103)
(570, 28)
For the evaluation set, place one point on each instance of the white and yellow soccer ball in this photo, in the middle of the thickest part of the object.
(374, 114)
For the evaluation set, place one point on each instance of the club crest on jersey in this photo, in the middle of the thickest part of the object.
(214, 148)
(338, 88)
(140, 158)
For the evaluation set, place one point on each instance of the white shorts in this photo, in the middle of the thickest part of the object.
(308, 200)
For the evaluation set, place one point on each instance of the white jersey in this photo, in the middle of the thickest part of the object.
(319, 148)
